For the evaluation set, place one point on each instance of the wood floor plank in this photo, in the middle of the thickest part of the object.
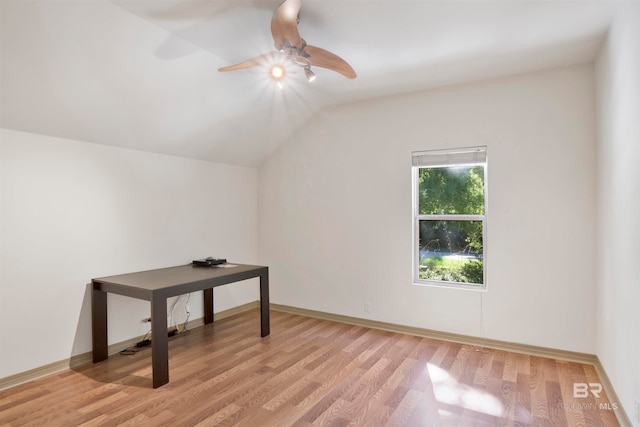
(538, 387)
(484, 367)
(557, 413)
(311, 372)
(522, 414)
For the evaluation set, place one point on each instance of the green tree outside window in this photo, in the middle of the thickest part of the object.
(450, 199)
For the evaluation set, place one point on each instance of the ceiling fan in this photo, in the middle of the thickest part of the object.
(291, 48)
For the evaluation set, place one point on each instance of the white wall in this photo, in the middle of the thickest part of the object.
(335, 209)
(72, 211)
(618, 297)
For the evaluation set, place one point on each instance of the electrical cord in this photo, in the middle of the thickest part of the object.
(483, 336)
(170, 313)
(187, 313)
(146, 339)
(136, 348)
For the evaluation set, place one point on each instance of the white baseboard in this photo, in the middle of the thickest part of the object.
(621, 414)
(532, 350)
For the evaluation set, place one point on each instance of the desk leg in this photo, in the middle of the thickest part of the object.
(159, 342)
(99, 323)
(208, 305)
(264, 305)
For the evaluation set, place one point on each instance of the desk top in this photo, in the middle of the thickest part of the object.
(176, 280)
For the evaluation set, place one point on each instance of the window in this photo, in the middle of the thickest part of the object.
(449, 217)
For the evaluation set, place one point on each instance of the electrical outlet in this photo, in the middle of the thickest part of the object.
(367, 307)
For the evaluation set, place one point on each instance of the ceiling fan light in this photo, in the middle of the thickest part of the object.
(277, 72)
(311, 76)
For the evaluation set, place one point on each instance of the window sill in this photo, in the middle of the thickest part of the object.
(450, 285)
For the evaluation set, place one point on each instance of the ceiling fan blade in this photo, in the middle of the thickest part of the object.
(284, 24)
(325, 59)
(265, 60)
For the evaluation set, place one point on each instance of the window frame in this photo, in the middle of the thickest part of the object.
(450, 159)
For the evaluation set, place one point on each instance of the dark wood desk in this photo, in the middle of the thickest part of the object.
(156, 286)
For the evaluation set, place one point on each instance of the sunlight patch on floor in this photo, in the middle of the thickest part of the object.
(449, 391)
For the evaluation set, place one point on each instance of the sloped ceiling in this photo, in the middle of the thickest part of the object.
(143, 74)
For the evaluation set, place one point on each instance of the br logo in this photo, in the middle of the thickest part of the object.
(582, 390)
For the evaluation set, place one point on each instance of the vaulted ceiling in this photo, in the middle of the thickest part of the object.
(143, 74)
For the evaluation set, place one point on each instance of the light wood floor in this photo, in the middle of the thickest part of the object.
(311, 372)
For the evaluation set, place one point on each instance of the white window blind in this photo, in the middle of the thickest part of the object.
(462, 156)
